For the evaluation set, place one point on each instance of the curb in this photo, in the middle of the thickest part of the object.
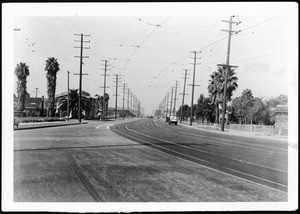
(48, 126)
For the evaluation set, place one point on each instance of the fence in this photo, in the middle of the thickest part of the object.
(260, 129)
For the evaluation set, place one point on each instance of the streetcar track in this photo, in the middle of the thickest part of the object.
(241, 161)
(83, 179)
(233, 143)
(280, 187)
(228, 142)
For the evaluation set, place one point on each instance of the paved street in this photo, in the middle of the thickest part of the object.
(262, 161)
(88, 163)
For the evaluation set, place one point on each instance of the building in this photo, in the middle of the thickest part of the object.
(281, 119)
(34, 106)
(92, 114)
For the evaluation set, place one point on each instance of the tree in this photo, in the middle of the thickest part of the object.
(231, 115)
(185, 111)
(52, 67)
(204, 109)
(157, 112)
(217, 85)
(208, 110)
(101, 103)
(74, 103)
(242, 105)
(256, 112)
(21, 71)
(199, 107)
(280, 100)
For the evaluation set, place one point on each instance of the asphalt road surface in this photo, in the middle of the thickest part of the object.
(145, 160)
(263, 161)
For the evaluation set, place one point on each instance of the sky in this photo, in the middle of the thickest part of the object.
(151, 46)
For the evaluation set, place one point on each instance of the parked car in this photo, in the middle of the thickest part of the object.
(173, 119)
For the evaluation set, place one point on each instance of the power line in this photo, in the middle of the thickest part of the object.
(177, 28)
(260, 56)
(259, 23)
(145, 41)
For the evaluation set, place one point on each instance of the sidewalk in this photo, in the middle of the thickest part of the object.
(232, 132)
(37, 125)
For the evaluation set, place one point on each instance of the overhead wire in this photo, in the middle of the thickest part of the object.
(227, 37)
(259, 23)
(145, 41)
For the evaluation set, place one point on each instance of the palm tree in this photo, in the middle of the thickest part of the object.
(100, 100)
(214, 91)
(21, 71)
(52, 67)
(216, 87)
(74, 102)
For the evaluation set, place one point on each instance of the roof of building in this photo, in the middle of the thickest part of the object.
(31, 102)
(281, 109)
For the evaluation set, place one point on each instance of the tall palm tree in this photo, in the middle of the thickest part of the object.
(74, 102)
(217, 84)
(21, 71)
(52, 67)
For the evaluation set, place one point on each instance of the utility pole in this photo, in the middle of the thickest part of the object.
(116, 102)
(80, 74)
(36, 91)
(134, 105)
(174, 109)
(167, 104)
(227, 67)
(68, 100)
(139, 108)
(104, 88)
(183, 93)
(131, 101)
(171, 102)
(123, 100)
(193, 85)
(128, 110)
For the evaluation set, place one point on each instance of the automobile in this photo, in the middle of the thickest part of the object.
(173, 119)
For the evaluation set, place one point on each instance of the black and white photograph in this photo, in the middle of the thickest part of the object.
(163, 106)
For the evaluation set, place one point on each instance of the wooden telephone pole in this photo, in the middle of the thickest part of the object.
(104, 88)
(116, 102)
(227, 67)
(80, 74)
(183, 93)
(193, 85)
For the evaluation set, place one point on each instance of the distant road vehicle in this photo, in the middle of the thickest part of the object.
(173, 119)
